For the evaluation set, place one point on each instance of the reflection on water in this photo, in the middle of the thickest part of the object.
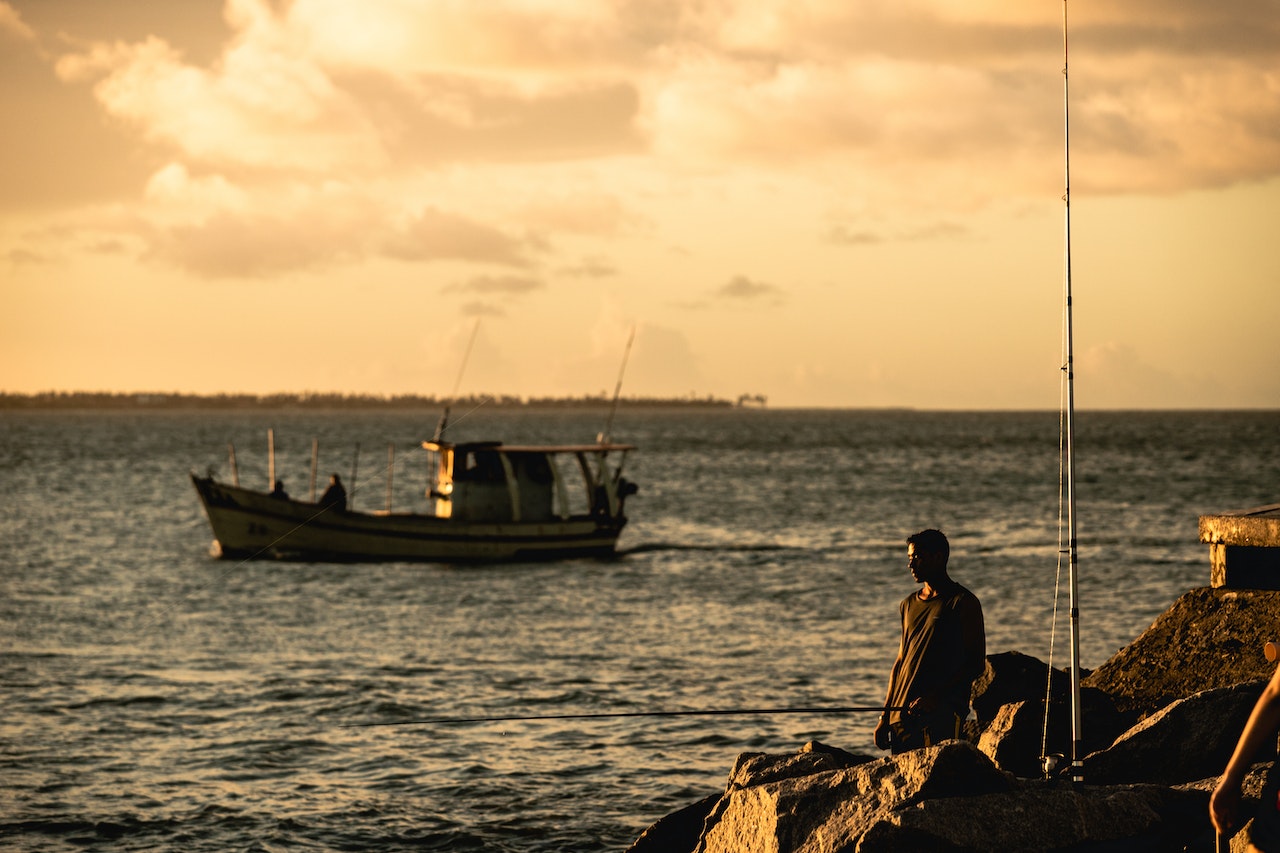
(161, 699)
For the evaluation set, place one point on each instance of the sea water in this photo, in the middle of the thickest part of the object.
(156, 698)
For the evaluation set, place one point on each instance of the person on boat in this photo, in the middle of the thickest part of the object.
(279, 492)
(334, 497)
(1224, 803)
(942, 651)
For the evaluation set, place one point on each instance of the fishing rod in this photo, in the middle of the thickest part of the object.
(1077, 722)
(457, 383)
(607, 433)
(713, 712)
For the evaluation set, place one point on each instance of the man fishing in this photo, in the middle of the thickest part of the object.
(943, 649)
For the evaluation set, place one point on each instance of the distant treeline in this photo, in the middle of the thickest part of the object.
(96, 400)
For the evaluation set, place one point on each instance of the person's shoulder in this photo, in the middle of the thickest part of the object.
(959, 594)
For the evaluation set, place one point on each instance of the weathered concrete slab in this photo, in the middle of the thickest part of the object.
(1255, 528)
(1244, 547)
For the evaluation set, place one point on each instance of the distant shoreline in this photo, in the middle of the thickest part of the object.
(172, 401)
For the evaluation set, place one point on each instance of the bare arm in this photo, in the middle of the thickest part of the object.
(1224, 804)
(881, 734)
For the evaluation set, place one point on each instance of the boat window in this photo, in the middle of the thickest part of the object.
(533, 466)
(575, 492)
(481, 466)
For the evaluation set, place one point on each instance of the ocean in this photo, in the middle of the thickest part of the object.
(158, 699)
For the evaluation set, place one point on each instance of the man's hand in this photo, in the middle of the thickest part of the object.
(882, 734)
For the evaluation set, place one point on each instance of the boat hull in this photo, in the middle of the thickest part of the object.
(248, 524)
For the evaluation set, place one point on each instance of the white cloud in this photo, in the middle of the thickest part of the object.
(11, 24)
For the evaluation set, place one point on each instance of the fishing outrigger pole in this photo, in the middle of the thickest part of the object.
(712, 712)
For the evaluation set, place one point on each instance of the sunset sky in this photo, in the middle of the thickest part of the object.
(827, 202)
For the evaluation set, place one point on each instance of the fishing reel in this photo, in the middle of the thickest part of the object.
(1050, 763)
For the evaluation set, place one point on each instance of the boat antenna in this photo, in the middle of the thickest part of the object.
(604, 436)
(1068, 377)
(457, 383)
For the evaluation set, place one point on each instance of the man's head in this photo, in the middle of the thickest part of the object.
(927, 554)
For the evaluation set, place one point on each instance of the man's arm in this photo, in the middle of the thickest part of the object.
(973, 630)
(881, 734)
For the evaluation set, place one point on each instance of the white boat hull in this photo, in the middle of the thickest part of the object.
(249, 524)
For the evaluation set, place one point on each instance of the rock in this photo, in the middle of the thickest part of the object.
(1189, 682)
(1014, 739)
(944, 798)
(830, 810)
(1012, 677)
(1209, 638)
(678, 832)
(1190, 739)
(1045, 817)
(758, 768)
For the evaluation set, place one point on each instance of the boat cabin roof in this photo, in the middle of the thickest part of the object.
(463, 447)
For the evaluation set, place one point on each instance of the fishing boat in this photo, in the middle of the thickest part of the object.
(487, 501)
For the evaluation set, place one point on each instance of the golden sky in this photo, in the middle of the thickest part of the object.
(831, 203)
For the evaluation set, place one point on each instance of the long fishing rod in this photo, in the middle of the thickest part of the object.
(617, 390)
(1077, 727)
(457, 383)
(713, 712)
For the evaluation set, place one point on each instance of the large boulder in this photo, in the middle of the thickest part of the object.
(1190, 739)
(1209, 638)
(1012, 677)
(1017, 739)
(830, 810)
(944, 798)
(678, 832)
(1037, 817)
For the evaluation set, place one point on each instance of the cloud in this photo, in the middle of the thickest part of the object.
(590, 268)
(12, 25)
(507, 284)
(663, 363)
(481, 309)
(228, 246)
(1119, 378)
(580, 212)
(259, 106)
(845, 235)
(744, 289)
(25, 257)
(317, 87)
(526, 114)
(437, 235)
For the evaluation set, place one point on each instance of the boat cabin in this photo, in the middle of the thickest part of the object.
(488, 481)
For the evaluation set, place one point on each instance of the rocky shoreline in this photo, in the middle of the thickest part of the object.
(1161, 719)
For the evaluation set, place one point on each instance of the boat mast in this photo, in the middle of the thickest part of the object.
(1077, 737)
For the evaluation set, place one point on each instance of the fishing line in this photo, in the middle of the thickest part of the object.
(712, 712)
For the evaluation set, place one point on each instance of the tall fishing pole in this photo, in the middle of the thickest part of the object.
(457, 383)
(1077, 727)
(617, 390)
(712, 712)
